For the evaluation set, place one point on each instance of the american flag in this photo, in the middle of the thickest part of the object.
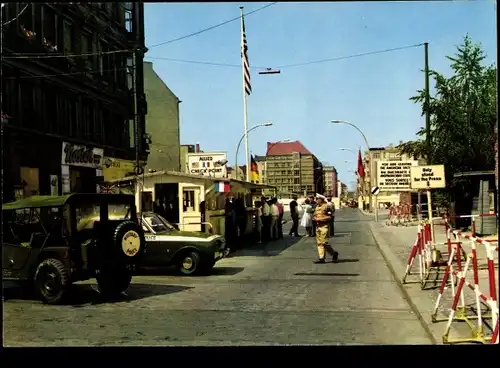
(244, 56)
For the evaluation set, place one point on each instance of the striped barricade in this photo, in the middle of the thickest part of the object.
(461, 310)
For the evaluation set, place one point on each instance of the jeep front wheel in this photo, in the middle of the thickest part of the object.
(113, 283)
(51, 280)
(189, 263)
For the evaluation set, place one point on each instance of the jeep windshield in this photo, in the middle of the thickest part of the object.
(157, 223)
(88, 214)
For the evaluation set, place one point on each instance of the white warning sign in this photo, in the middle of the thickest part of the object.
(428, 177)
(394, 175)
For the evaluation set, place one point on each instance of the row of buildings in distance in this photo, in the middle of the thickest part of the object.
(288, 166)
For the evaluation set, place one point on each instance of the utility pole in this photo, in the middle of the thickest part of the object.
(136, 110)
(428, 145)
(427, 103)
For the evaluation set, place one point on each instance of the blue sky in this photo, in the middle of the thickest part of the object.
(370, 91)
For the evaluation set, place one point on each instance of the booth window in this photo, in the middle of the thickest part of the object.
(188, 201)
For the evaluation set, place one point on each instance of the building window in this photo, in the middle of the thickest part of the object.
(37, 18)
(26, 18)
(50, 107)
(68, 37)
(86, 50)
(128, 17)
(188, 204)
(49, 28)
(27, 103)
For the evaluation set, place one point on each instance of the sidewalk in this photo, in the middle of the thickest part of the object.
(395, 244)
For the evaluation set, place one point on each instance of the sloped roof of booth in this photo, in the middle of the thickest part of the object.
(473, 173)
(186, 175)
(167, 172)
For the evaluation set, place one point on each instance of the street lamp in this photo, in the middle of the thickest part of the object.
(370, 157)
(241, 140)
(347, 149)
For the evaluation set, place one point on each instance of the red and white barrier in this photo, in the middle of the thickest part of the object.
(459, 310)
(399, 215)
(423, 250)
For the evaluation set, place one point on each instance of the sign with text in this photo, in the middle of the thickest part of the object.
(394, 176)
(428, 177)
(76, 155)
(207, 164)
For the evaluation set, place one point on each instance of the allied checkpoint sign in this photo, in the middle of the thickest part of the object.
(207, 164)
(393, 176)
(428, 177)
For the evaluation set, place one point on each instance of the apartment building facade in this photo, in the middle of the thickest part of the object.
(330, 181)
(162, 122)
(293, 169)
(69, 117)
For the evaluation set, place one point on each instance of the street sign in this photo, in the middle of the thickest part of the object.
(375, 190)
(394, 176)
(428, 177)
(207, 164)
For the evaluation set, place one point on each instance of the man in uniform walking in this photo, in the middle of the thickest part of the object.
(322, 219)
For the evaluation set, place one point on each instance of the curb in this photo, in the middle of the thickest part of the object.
(395, 264)
(421, 307)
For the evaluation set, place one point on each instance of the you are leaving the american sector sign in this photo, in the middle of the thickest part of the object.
(394, 175)
(428, 177)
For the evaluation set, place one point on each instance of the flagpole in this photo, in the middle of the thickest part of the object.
(245, 115)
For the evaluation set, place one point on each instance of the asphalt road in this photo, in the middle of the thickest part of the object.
(267, 295)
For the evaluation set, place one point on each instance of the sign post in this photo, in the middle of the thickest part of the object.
(428, 177)
(375, 190)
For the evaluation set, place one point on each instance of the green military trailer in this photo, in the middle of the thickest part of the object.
(50, 242)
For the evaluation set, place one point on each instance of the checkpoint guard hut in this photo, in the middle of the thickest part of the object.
(475, 195)
(194, 202)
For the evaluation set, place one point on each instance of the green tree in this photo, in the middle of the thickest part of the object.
(463, 114)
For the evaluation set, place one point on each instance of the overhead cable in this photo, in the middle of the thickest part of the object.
(212, 27)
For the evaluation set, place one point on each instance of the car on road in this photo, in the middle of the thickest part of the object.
(50, 242)
(190, 252)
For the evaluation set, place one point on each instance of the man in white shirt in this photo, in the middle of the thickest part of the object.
(266, 219)
(275, 214)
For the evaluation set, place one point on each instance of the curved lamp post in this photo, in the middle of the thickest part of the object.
(241, 140)
(371, 161)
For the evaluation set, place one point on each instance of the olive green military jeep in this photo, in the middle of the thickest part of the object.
(50, 242)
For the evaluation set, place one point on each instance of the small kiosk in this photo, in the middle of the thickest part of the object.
(193, 202)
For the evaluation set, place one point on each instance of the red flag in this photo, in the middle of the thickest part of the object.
(361, 169)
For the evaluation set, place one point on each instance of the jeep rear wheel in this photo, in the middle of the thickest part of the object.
(51, 280)
(189, 263)
(113, 282)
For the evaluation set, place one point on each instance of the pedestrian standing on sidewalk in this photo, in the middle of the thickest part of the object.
(331, 225)
(306, 221)
(275, 214)
(294, 213)
(281, 211)
(322, 219)
(258, 222)
(266, 219)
